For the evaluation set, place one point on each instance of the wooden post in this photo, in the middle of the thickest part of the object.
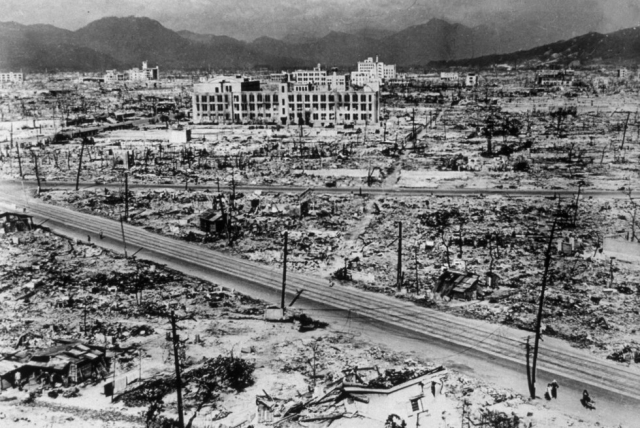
(177, 367)
(124, 242)
(126, 196)
(399, 277)
(547, 263)
(79, 164)
(19, 159)
(284, 270)
(35, 161)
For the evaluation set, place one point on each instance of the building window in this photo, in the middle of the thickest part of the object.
(315, 98)
(323, 97)
(347, 98)
(347, 116)
(299, 98)
(275, 99)
(415, 405)
(307, 98)
(331, 98)
(315, 116)
(267, 97)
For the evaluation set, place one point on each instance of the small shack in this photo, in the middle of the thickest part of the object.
(14, 222)
(69, 361)
(212, 221)
(458, 285)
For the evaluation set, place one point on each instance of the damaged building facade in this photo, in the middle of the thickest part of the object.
(238, 99)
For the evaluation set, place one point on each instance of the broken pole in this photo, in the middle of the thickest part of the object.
(399, 278)
(284, 270)
(536, 344)
(79, 164)
(177, 367)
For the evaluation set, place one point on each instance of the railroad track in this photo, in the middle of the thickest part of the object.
(496, 342)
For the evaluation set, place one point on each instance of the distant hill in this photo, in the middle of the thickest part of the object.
(618, 47)
(126, 42)
(45, 47)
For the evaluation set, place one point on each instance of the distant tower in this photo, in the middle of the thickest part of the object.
(144, 65)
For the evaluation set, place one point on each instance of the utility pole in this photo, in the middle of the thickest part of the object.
(284, 270)
(399, 278)
(19, 159)
(417, 279)
(547, 263)
(35, 162)
(80, 164)
(126, 196)
(123, 239)
(176, 361)
(624, 134)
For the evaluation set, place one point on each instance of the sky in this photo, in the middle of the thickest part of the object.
(249, 19)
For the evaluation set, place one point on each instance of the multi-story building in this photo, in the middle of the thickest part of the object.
(449, 76)
(555, 77)
(377, 69)
(316, 77)
(238, 99)
(137, 74)
(11, 77)
(471, 79)
(113, 76)
(623, 73)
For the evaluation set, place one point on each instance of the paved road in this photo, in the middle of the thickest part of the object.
(390, 191)
(502, 344)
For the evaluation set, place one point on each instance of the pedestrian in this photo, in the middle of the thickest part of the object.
(587, 401)
(89, 238)
(101, 234)
(554, 388)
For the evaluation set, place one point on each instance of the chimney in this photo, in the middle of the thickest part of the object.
(376, 58)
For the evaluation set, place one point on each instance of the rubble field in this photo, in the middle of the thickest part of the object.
(511, 142)
(237, 367)
(496, 244)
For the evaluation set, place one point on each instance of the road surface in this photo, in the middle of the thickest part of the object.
(389, 191)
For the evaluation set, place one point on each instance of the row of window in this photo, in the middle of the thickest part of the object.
(251, 98)
(341, 98)
(294, 106)
(315, 116)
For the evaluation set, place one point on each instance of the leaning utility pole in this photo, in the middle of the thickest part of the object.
(624, 134)
(547, 263)
(79, 164)
(176, 361)
(284, 270)
(399, 277)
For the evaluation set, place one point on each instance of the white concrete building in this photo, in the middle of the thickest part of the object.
(471, 79)
(135, 74)
(237, 99)
(377, 69)
(449, 76)
(11, 77)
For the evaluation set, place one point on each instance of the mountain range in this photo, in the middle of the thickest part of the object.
(125, 42)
